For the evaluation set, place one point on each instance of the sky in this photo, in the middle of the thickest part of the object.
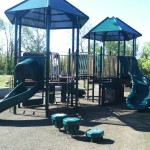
(135, 13)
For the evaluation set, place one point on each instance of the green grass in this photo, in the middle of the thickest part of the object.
(3, 79)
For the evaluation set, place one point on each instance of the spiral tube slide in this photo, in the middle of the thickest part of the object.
(27, 69)
(139, 97)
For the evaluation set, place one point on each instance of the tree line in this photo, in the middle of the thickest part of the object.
(34, 40)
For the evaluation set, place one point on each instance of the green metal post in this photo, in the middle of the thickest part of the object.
(73, 41)
(88, 88)
(100, 74)
(69, 61)
(19, 53)
(124, 48)
(103, 48)
(77, 63)
(19, 48)
(93, 68)
(15, 54)
(88, 52)
(118, 73)
(118, 56)
(135, 46)
(89, 45)
(16, 45)
(73, 59)
(47, 58)
(134, 53)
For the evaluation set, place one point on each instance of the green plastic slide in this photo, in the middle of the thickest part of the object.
(29, 68)
(139, 97)
(19, 94)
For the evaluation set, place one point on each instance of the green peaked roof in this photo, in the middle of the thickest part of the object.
(112, 29)
(108, 25)
(33, 13)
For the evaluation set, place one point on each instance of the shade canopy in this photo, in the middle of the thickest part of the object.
(33, 13)
(112, 29)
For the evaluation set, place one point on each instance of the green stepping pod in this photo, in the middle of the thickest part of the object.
(57, 119)
(71, 124)
(95, 134)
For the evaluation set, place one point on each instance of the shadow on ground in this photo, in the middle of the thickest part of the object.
(25, 123)
(91, 116)
(83, 138)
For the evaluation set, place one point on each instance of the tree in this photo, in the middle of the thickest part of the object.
(97, 47)
(33, 39)
(82, 43)
(144, 59)
(9, 36)
(8, 32)
(1, 30)
(1, 24)
(113, 47)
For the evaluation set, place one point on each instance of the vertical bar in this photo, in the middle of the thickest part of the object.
(73, 35)
(94, 47)
(19, 53)
(89, 51)
(69, 61)
(89, 46)
(100, 76)
(47, 58)
(103, 59)
(73, 59)
(103, 48)
(16, 45)
(15, 54)
(77, 63)
(124, 48)
(118, 55)
(118, 73)
(101, 53)
(19, 48)
(72, 91)
(133, 53)
(135, 46)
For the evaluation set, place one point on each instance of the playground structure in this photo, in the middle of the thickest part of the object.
(46, 14)
(47, 72)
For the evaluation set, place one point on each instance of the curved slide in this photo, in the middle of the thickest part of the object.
(139, 97)
(27, 69)
(19, 94)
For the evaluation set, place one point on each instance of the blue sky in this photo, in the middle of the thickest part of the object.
(133, 12)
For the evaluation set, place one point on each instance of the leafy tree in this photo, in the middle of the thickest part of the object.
(144, 59)
(1, 24)
(113, 48)
(33, 39)
(7, 55)
(97, 47)
(1, 29)
(83, 42)
(2, 64)
(9, 36)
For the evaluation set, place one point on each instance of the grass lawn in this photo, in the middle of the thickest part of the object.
(3, 79)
